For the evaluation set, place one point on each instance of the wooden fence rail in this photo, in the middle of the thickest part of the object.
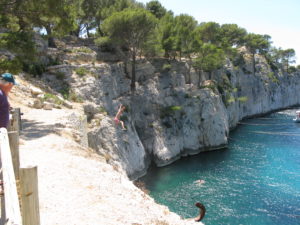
(21, 202)
(11, 201)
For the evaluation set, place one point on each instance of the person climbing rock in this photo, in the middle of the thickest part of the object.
(118, 115)
(7, 82)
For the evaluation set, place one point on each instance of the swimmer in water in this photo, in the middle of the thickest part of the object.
(199, 182)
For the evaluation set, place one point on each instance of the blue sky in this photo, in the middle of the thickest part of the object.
(278, 18)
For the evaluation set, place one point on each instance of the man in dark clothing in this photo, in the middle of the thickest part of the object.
(7, 81)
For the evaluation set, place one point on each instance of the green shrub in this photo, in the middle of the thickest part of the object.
(169, 111)
(166, 67)
(105, 44)
(60, 75)
(229, 99)
(187, 95)
(102, 110)
(272, 77)
(74, 97)
(82, 49)
(56, 100)
(81, 71)
(210, 86)
(36, 69)
(53, 61)
(292, 69)
(65, 91)
(243, 99)
(13, 66)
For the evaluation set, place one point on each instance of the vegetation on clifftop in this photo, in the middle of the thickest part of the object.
(131, 29)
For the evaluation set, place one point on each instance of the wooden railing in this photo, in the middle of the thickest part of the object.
(20, 205)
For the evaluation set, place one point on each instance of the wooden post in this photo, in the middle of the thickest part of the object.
(18, 112)
(14, 124)
(13, 135)
(29, 196)
(12, 207)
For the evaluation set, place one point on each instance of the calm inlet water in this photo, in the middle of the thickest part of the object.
(255, 181)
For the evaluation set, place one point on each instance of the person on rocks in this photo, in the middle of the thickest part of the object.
(7, 82)
(118, 115)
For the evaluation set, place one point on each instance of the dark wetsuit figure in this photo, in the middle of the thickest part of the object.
(4, 110)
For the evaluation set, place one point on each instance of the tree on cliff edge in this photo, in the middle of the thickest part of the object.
(130, 28)
(257, 43)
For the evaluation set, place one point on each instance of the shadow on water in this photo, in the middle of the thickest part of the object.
(203, 161)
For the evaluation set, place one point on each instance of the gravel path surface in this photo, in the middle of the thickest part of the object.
(77, 186)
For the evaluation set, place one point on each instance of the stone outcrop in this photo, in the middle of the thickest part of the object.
(122, 149)
(166, 118)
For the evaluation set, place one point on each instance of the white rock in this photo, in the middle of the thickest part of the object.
(48, 106)
(40, 96)
(35, 91)
(37, 104)
(67, 104)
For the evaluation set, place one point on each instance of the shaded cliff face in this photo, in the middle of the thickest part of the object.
(167, 118)
(264, 91)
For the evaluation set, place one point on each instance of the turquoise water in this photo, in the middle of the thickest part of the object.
(255, 181)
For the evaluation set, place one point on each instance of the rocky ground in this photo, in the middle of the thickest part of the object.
(76, 185)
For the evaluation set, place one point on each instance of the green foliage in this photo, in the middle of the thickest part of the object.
(156, 9)
(232, 35)
(60, 75)
(167, 35)
(185, 26)
(81, 71)
(70, 95)
(272, 77)
(35, 69)
(242, 99)
(229, 99)
(292, 69)
(82, 49)
(211, 86)
(104, 43)
(7, 65)
(53, 98)
(130, 28)
(209, 32)
(102, 110)
(148, 30)
(166, 67)
(169, 111)
(239, 60)
(53, 61)
(20, 44)
(257, 43)
(288, 56)
(209, 58)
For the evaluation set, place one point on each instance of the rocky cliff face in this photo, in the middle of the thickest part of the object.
(167, 118)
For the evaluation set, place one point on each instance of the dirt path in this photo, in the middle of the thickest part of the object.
(77, 186)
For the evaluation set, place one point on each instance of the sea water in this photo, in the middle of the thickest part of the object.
(255, 181)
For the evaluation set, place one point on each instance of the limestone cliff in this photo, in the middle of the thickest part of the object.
(166, 118)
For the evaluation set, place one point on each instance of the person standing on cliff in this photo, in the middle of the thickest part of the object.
(7, 82)
(118, 115)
